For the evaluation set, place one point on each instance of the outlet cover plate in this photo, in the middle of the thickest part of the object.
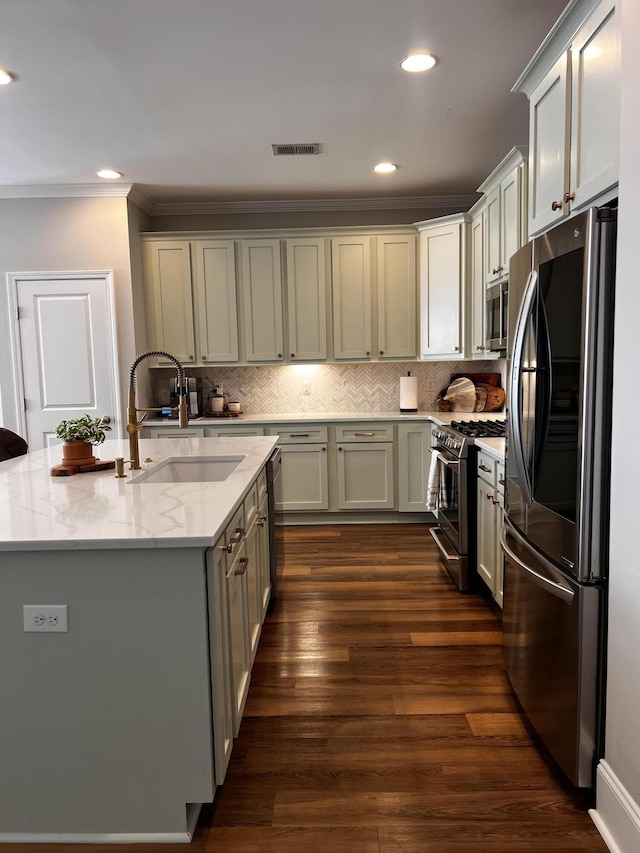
(46, 618)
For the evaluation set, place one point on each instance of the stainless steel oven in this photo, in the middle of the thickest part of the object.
(453, 502)
(497, 316)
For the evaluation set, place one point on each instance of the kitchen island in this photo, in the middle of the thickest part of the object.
(107, 731)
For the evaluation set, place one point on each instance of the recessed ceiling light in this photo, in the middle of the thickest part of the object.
(5, 77)
(418, 62)
(109, 174)
(384, 168)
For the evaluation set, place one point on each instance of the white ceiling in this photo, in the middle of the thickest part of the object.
(185, 97)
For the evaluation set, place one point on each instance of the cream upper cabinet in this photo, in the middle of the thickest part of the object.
(167, 266)
(396, 296)
(573, 88)
(214, 285)
(505, 213)
(351, 289)
(306, 299)
(261, 287)
(477, 298)
(443, 275)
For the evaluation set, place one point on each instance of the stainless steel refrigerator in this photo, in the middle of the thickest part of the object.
(555, 533)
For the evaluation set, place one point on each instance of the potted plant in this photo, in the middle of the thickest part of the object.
(78, 435)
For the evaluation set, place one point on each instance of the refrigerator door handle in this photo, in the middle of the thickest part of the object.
(560, 590)
(515, 402)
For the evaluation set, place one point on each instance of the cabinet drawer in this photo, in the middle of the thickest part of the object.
(364, 432)
(236, 431)
(300, 434)
(487, 467)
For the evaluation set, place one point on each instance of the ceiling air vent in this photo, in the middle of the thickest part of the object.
(297, 148)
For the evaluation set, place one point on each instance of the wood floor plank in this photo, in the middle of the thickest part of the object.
(496, 724)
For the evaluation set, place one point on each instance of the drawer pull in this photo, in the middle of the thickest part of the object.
(243, 562)
(262, 520)
(298, 435)
(492, 499)
(365, 434)
(237, 537)
(502, 482)
(484, 468)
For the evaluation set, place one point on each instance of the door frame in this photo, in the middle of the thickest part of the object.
(13, 280)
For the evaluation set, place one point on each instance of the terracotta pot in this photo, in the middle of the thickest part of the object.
(77, 453)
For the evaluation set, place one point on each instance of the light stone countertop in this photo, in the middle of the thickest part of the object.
(493, 446)
(98, 510)
(331, 417)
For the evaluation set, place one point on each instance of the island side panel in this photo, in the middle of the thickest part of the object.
(106, 728)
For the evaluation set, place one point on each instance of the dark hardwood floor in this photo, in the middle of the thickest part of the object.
(380, 720)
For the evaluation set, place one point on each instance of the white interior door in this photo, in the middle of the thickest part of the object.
(64, 348)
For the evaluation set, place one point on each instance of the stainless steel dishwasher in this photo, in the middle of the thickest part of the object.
(276, 521)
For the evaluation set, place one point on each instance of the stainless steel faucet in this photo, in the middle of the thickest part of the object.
(133, 424)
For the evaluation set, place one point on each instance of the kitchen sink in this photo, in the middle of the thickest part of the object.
(190, 469)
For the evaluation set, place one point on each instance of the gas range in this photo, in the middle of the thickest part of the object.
(459, 435)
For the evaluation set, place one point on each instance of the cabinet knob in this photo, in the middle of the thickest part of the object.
(456, 349)
(368, 353)
(568, 197)
(481, 348)
(340, 449)
(495, 271)
(293, 355)
(556, 205)
(191, 357)
(324, 449)
(381, 352)
(279, 355)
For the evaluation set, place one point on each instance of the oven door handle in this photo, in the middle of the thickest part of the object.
(450, 558)
(449, 463)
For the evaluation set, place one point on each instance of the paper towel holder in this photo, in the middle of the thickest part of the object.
(409, 393)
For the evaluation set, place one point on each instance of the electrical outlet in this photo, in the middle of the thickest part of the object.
(306, 387)
(40, 618)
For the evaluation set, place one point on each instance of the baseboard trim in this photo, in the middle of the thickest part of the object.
(184, 837)
(617, 815)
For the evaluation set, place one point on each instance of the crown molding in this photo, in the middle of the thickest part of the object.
(66, 191)
(314, 205)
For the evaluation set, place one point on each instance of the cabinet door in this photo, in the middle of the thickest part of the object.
(307, 299)
(441, 281)
(264, 573)
(214, 283)
(365, 475)
(219, 657)
(478, 292)
(254, 588)
(493, 253)
(351, 287)
(262, 300)
(548, 146)
(304, 478)
(595, 105)
(239, 650)
(170, 304)
(414, 458)
(486, 541)
(510, 217)
(397, 296)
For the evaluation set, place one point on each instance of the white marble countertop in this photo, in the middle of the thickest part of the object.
(493, 446)
(97, 510)
(331, 417)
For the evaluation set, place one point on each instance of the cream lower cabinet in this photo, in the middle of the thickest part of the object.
(365, 467)
(305, 473)
(414, 459)
(574, 113)
(220, 660)
(490, 510)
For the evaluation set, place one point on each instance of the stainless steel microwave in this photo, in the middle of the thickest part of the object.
(497, 315)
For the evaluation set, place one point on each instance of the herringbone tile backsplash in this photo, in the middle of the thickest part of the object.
(373, 387)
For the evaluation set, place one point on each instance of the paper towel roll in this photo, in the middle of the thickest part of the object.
(408, 393)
